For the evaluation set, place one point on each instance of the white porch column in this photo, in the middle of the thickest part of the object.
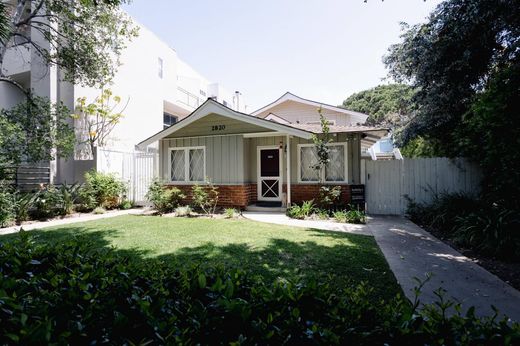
(288, 144)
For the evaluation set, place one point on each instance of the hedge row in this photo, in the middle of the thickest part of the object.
(74, 293)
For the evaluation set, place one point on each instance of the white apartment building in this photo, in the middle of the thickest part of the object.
(157, 87)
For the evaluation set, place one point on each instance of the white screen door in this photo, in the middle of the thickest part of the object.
(269, 174)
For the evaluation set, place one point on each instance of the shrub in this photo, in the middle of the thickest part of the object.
(230, 213)
(350, 216)
(48, 203)
(164, 199)
(329, 196)
(23, 204)
(205, 197)
(492, 231)
(126, 204)
(69, 194)
(101, 190)
(485, 227)
(301, 212)
(78, 294)
(183, 211)
(321, 214)
(7, 206)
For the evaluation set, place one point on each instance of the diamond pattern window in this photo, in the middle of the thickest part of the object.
(308, 160)
(335, 169)
(187, 164)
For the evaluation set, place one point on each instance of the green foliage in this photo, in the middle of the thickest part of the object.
(464, 63)
(321, 142)
(49, 203)
(101, 190)
(301, 212)
(164, 199)
(98, 119)
(230, 213)
(7, 206)
(205, 197)
(329, 196)
(87, 37)
(126, 204)
(23, 204)
(476, 224)
(349, 216)
(31, 130)
(77, 294)
(70, 195)
(384, 104)
(183, 211)
(418, 147)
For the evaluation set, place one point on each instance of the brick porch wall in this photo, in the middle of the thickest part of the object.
(240, 196)
(306, 192)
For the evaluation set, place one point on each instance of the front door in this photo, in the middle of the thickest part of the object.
(269, 174)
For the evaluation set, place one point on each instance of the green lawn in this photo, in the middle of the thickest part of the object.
(263, 249)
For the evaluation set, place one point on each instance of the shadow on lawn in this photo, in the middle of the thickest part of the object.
(347, 263)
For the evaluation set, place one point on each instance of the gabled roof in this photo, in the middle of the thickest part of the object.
(213, 107)
(277, 118)
(291, 97)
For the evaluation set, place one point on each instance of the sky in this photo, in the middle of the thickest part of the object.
(323, 50)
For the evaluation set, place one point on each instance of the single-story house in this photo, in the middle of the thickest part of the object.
(263, 157)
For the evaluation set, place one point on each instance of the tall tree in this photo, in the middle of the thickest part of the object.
(384, 104)
(83, 37)
(462, 61)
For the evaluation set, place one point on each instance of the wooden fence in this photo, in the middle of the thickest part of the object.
(26, 177)
(388, 183)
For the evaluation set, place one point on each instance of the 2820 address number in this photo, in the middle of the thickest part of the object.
(218, 127)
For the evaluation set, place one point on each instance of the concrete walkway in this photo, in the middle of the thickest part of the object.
(411, 252)
(282, 219)
(68, 220)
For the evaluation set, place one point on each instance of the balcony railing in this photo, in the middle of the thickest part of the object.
(187, 98)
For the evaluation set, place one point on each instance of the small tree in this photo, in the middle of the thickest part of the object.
(206, 197)
(321, 143)
(98, 119)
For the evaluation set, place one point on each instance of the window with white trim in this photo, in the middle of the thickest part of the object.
(187, 164)
(334, 171)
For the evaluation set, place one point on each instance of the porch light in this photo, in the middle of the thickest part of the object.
(281, 145)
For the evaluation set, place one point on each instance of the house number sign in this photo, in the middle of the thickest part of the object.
(218, 127)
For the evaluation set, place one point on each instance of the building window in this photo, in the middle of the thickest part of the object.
(168, 120)
(334, 171)
(187, 164)
(160, 67)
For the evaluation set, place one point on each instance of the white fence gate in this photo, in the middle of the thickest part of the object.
(137, 169)
(387, 183)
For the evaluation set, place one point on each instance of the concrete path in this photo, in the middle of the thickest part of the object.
(282, 219)
(69, 220)
(411, 252)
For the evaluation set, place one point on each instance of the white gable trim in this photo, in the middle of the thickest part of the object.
(291, 97)
(213, 107)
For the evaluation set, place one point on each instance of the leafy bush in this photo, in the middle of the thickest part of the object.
(321, 214)
(69, 194)
(470, 222)
(126, 204)
(183, 211)
(350, 216)
(205, 197)
(48, 203)
(230, 213)
(101, 190)
(23, 204)
(493, 232)
(164, 199)
(7, 207)
(329, 196)
(79, 294)
(301, 211)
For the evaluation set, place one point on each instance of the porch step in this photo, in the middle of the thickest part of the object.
(265, 208)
